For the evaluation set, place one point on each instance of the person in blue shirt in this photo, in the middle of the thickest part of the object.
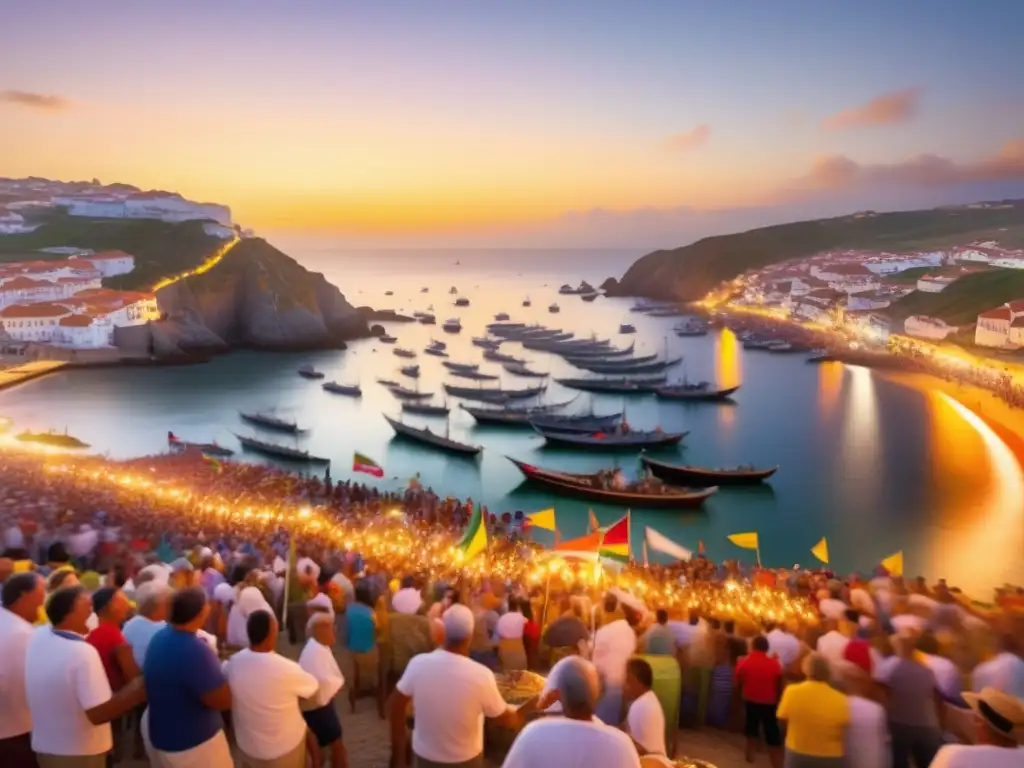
(362, 643)
(188, 690)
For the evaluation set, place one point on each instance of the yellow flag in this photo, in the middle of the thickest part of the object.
(544, 519)
(594, 525)
(820, 550)
(894, 564)
(745, 540)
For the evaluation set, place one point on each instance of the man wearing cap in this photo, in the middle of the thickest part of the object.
(451, 695)
(1000, 721)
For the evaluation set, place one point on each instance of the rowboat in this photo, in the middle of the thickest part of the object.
(435, 351)
(553, 308)
(388, 383)
(500, 357)
(452, 366)
(426, 437)
(620, 386)
(309, 372)
(701, 477)
(702, 391)
(352, 390)
(279, 451)
(518, 369)
(472, 375)
(627, 367)
(403, 352)
(477, 393)
(593, 487)
(409, 394)
(267, 421)
(423, 409)
(612, 441)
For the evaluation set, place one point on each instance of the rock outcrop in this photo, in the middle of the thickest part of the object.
(255, 297)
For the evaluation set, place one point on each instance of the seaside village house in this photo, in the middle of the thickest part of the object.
(1002, 327)
(165, 206)
(990, 254)
(930, 328)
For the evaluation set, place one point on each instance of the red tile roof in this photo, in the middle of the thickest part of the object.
(1018, 323)
(1017, 305)
(22, 283)
(999, 313)
(847, 269)
(40, 309)
(76, 321)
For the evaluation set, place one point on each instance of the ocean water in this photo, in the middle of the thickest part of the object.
(870, 463)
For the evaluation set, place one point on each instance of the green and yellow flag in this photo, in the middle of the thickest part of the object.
(474, 540)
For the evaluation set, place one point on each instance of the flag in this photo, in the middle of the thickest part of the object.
(666, 546)
(894, 564)
(361, 463)
(474, 540)
(644, 548)
(594, 525)
(544, 519)
(744, 540)
(173, 438)
(820, 550)
(215, 465)
(615, 541)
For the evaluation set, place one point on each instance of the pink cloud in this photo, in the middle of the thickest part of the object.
(887, 109)
(689, 140)
(41, 101)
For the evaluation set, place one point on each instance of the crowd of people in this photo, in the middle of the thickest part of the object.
(200, 613)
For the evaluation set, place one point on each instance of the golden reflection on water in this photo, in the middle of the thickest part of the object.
(830, 385)
(860, 450)
(727, 371)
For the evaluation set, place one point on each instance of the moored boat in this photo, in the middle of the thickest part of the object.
(518, 369)
(553, 308)
(435, 351)
(501, 316)
(702, 477)
(499, 357)
(452, 325)
(210, 449)
(462, 373)
(387, 339)
(619, 440)
(52, 439)
(691, 326)
(404, 352)
(478, 393)
(309, 372)
(267, 421)
(695, 391)
(426, 437)
(278, 451)
(425, 409)
(462, 301)
(622, 386)
(587, 423)
(599, 352)
(428, 319)
(403, 393)
(603, 487)
(453, 366)
(526, 301)
(352, 390)
(412, 371)
(485, 343)
(628, 367)
(627, 328)
(388, 383)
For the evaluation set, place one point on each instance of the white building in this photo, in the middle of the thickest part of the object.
(12, 223)
(85, 321)
(868, 326)
(869, 300)
(993, 327)
(32, 322)
(934, 283)
(107, 263)
(847, 278)
(170, 206)
(892, 264)
(213, 229)
(924, 327)
(95, 207)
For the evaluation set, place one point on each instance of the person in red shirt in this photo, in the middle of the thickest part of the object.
(111, 607)
(759, 678)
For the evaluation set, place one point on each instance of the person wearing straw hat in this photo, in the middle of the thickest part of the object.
(1000, 724)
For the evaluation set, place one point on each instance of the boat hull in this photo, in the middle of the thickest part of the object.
(700, 477)
(613, 387)
(273, 426)
(474, 393)
(631, 442)
(438, 442)
(279, 451)
(695, 395)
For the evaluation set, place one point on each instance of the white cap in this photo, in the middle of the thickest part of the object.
(458, 623)
(224, 593)
(321, 601)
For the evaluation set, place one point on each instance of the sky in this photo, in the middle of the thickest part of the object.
(527, 123)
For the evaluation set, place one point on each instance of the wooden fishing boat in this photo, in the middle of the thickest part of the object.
(620, 386)
(403, 352)
(518, 369)
(500, 357)
(501, 328)
(583, 361)
(593, 487)
(309, 372)
(279, 451)
(513, 415)
(596, 351)
(483, 341)
(409, 394)
(476, 393)
(701, 477)
(268, 421)
(435, 351)
(388, 383)
(633, 440)
(52, 439)
(425, 409)
(462, 301)
(412, 371)
(352, 390)
(424, 436)
(452, 325)
(428, 319)
(628, 367)
(210, 449)
(627, 328)
(695, 392)
(453, 366)
(501, 316)
(472, 375)
(587, 423)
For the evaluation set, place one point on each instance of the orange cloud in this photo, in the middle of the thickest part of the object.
(887, 109)
(41, 101)
(839, 171)
(689, 140)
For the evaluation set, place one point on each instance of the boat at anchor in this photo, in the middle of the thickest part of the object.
(702, 477)
(268, 421)
(425, 436)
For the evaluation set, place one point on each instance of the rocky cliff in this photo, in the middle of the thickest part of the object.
(257, 297)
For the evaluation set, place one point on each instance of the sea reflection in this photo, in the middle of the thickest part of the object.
(727, 372)
(830, 385)
(860, 450)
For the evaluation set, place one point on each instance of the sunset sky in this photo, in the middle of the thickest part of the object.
(554, 123)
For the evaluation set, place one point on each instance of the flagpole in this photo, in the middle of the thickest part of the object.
(287, 582)
(757, 551)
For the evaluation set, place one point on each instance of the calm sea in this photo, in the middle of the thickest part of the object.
(871, 464)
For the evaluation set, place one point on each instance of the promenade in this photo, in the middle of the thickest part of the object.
(19, 374)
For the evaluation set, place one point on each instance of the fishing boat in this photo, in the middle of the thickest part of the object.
(428, 319)
(425, 409)
(404, 352)
(477, 393)
(512, 415)
(619, 386)
(403, 393)
(584, 423)
(424, 289)
(503, 328)
(500, 357)
(618, 440)
(452, 325)
(701, 391)
(692, 326)
(425, 436)
(462, 301)
(389, 293)
(755, 343)
(597, 486)
(518, 369)
(412, 371)
(472, 375)
(435, 351)
(388, 383)
(267, 421)
(352, 390)
(210, 449)
(670, 311)
(526, 301)
(701, 477)
(627, 328)
(52, 439)
(589, 296)
(451, 366)
(438, 344)
(309, 372)
(387, 339)
(598, 352)
(485, 343)
(540, 333)
(553, 308)
(501, 316)
(628, 367)
(279, 451)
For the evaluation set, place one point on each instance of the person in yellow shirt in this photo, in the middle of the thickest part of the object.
(817, 716)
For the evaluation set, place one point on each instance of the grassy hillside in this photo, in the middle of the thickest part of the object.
(962, 301)
(690, 272)
(160, 248)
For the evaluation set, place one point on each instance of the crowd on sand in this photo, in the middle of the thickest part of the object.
(144, 604)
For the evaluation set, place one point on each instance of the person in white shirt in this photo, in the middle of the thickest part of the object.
(783, 645)
(250, 600)
(511, 650)
(408, 599)
(867, 735)
(265, 692)
(614, 644)
(69, 697)
(22, 596)
(645, 721)
(318, 660)
(832, 645)
(999, 715)
(151, 602)
(578, 740)
(451, 695)
(1004, 671)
